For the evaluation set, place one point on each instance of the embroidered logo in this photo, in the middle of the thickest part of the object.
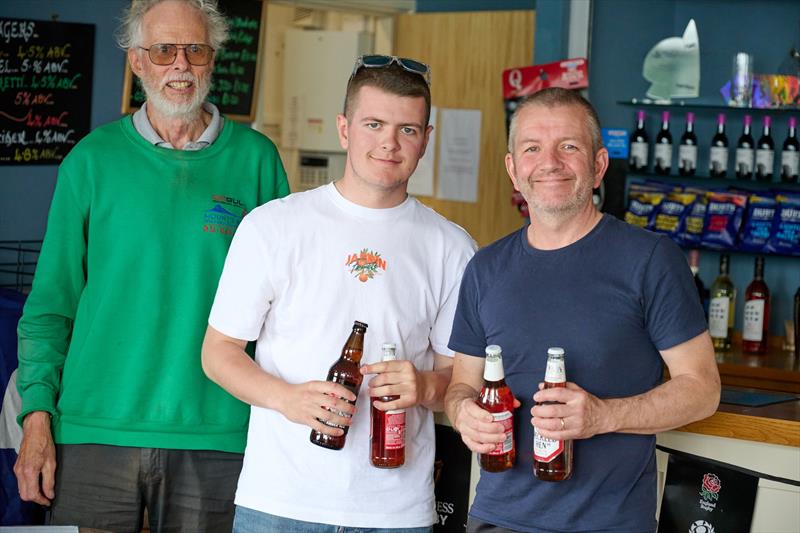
(701, 526)
(709, 492)
(225, 216)
(365, 264)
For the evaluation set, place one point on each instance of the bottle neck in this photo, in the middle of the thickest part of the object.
(640, 124)
(792, 132)
(493, 369)
(555, 372)
(721, 127)
(689, 127)
(759, 270)
(746, 130)
(766, 131)
(665, 125)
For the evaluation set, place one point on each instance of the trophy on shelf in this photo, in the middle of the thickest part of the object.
(672, 67)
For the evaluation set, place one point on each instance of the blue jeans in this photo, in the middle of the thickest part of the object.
(250, 521)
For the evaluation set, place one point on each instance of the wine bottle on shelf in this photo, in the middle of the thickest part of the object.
(663, 149)
(790, 156)
(765, 153)
(756, 312)
(718, 159)
(745, 152)
(687, 151)
(721, 307)
(639, 145)
(694, 266)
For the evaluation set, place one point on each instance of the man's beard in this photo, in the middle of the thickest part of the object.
(582, 192)
(185, 111)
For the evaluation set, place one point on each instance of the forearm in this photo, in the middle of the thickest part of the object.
(457, 393)
(434, 387)
(679, 401)
(231, 368)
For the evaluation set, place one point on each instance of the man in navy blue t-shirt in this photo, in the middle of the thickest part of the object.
(620, 301)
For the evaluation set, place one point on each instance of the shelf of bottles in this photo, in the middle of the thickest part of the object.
(720, 303)
(703, 104)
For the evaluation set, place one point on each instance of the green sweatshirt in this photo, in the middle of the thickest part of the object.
(110, 337)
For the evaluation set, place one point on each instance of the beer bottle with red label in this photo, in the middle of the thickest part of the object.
(388, 429)
(344, 372)
(496, 397)
(552, 459)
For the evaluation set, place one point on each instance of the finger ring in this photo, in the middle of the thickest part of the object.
(563, 425)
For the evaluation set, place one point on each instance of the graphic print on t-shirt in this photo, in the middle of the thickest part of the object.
(365, 264)
(225, 216)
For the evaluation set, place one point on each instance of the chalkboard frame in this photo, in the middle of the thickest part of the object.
(129, 79)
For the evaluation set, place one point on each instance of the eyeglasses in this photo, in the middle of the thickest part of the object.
(165, 53)
(379, 61)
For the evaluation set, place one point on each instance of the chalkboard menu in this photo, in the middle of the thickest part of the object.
(45, 89)
(235, 66)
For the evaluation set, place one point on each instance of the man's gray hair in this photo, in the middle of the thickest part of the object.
(130, 34)
(556, 97)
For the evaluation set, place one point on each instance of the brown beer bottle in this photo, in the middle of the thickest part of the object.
(388, 429)
(344, 372)
(552, 459)
(496, 397)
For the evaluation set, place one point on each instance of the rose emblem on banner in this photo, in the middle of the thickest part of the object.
(711, 487)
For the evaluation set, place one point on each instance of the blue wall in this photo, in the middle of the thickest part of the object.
(26, 191)
(623, 31)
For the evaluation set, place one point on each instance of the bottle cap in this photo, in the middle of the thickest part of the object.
(493, 350)
(689, 117)
(640, 114)
(358, 324)
(555, 351)
(792, 122)
(665, 116)
(388, 349)
(767, 121)
(721, 118)
(748, 120)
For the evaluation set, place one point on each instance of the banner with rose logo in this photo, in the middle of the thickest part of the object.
(706, 496)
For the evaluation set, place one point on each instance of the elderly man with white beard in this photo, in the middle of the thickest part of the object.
(117, 415)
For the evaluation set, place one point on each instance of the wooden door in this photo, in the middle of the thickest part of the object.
(467, 52)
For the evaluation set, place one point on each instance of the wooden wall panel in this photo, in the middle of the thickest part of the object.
(467, 52)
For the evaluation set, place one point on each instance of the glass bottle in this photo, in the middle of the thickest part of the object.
(694, 266)
(718, 158)
(663, 149)
(721, 307)
(344, 372)
(745, 152)
(388, 428)
(765, 153)
(639, 145)
(687, 150)
(552, 459)
(756, 312)
(496, 397)
(790, 156)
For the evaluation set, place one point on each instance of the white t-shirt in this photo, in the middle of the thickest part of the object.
(300, 270)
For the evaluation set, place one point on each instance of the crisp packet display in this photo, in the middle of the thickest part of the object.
(758, 222)
(642, 208)
(723, 220)
(671, 213)
(691, 233)
(785, 235)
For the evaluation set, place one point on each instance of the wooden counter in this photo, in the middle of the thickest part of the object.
(776, 424)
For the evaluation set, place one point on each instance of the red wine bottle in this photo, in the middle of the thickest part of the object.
(687, 151)
(745, 152)
(718, 159)
(639, 145)
(663, 150)
(756, 312)
(765, 153)
(790, 156)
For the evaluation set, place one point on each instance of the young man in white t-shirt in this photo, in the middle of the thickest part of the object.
(299, 272)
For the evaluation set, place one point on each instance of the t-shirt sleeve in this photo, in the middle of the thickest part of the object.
(468, 336)
(442, 327)
(672, 308)
(245, 291)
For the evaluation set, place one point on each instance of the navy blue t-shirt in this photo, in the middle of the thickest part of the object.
(612, 300)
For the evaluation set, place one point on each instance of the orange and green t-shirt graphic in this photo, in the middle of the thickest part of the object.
(365, 264)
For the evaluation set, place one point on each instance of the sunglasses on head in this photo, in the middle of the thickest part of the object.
(379, 61)
(165, 53)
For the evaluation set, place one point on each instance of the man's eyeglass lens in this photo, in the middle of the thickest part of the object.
(165, 54)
